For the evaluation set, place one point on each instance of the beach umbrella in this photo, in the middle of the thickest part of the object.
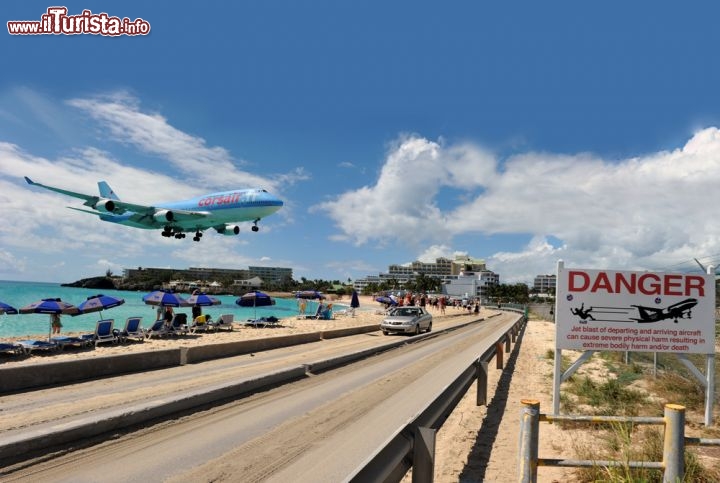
(309, 294)
(98, 303)
(255, 299)
(354, 302)
(201, 298)
(50, 306)
(165, 298)
(385, 300)
(7, 309)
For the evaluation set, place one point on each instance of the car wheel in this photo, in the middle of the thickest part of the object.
(429, 327)
(385, 332)
(417, 329)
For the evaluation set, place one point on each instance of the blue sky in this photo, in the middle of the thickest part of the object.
(517, 132)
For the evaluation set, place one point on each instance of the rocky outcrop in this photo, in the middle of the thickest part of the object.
(93, 282)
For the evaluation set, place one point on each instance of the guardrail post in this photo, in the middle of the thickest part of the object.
(529, 429)
(498, 355)
(423, 455)
(482, 383)
(674, 443)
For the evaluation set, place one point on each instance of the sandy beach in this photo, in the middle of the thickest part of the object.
(369, 313)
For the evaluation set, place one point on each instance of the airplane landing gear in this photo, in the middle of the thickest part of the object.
(255, 227)
(198, 235)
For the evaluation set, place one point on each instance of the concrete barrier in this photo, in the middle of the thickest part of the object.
(21, 377)
(344, 332)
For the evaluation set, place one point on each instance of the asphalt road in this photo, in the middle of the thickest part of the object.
(320, 428)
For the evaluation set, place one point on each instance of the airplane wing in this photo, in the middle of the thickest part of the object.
(148, 215)
(654, 310)
(89, 199)
(143, 214)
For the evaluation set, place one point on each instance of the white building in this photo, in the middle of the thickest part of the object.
(545, 283)
(470, 284)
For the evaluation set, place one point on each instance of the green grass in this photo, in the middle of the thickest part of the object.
(623, 442)
(624, 445)
(608, 397)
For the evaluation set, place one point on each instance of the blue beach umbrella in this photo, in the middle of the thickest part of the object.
(255, 299)
(98, 303)
(7, 309)
(385, 300)
(309, 294)
(203, 299)
(50, 306)
(165, 298)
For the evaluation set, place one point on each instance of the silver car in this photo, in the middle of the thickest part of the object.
(407, 320)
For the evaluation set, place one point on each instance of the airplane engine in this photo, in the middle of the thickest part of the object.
(164, 215)
(105, 205)
(229, 230)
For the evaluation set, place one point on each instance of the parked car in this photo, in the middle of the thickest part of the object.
(407, 320)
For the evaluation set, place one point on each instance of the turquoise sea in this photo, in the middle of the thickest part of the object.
(19, 294)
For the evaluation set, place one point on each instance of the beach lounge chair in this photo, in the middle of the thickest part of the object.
(132, 330)
(201, 323)
(104, 332)
(225, 322)
(64, 341)
(178, 325)
(263, 322)
(158, 329)
(10, 347)
(317, 315)
(30, 345)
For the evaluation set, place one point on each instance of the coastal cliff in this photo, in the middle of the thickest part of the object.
(93, 282)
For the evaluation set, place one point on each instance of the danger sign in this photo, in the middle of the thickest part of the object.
(635, 311)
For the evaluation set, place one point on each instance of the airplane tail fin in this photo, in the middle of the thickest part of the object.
(106, 191)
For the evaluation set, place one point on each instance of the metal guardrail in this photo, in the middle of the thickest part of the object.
(673, 445)
(413, 445)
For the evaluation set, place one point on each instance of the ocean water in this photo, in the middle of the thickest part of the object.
(19, 294)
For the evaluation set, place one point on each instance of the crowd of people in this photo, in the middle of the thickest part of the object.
(436, 302)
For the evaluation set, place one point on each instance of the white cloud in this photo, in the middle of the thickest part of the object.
(432, 253)
(646, 211)
(402, 204)
(538, 257)
(120, 114)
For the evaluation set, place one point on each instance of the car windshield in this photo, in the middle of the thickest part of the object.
(407, 312)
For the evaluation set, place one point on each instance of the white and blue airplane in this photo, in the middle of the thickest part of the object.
(216, 210)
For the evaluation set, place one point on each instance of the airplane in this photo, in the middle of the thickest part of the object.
(216, 210)
(676, 311)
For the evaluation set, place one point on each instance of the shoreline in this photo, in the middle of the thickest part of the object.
(369, 313)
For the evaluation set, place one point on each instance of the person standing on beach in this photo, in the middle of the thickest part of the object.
(55, 323)
(168, 316)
